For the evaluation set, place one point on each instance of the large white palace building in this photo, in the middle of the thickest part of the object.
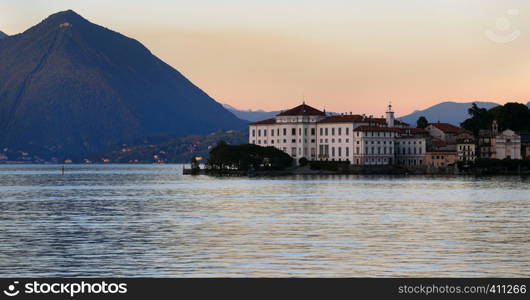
(307, 132)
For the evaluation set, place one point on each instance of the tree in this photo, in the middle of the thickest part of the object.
(514, 116)
(303, 162)
(422, 122)
(247, 157)
(481, 118)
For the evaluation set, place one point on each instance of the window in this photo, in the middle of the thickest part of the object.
(326, 131)
(264, 132)
(332, 131)
(293, 151)
(253, 132)
(347, 130)
(259, 132)
(272, 132)
(313, 131)
(332, 151)
(293, 131)
(340, 151)
(347, 151)
(285, 131)
(340, 131)
(321, 131)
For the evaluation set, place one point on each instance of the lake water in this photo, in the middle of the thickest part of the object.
(149, 220)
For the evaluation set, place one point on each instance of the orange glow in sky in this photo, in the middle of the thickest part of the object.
(338, 55)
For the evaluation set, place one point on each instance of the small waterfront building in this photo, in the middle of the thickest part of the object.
(445, 132)
(441, 158)
(508, 145)
(486, 141)
(411, 146)
(466, 148)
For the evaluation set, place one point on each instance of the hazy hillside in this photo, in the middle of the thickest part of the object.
(251, 115)
(449, 112)
(173, 150)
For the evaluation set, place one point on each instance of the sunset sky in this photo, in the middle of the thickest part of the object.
(341, 55)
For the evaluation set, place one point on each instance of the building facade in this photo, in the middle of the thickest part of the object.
(508, 145)
(307, 132)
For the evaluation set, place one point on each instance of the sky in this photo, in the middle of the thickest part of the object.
(338, 55)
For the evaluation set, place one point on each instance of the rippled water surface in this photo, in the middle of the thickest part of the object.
(149, 220)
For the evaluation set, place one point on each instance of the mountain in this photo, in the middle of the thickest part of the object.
(251, 115)
(70, 87)
(3, 35)
(448, 112)
(257, 115)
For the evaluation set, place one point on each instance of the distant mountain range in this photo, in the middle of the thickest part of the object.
(449, 112)
(69, 87)
(256, 115)
(251, 115)
(3, 35)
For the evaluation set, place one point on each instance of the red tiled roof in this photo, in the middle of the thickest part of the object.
(343, 119)
(413, 130)
(442, 143)
(302, 110)
(264, 122)
(357, 119)
(376, 128)
(441, 152)
(449, 128)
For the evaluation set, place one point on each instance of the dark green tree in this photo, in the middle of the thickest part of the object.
(422, 122)
(480, 118)
(515, 116)
(247, 157)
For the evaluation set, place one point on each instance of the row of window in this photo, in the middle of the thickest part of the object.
(325, 131)
(278, 141)
(414, 150)
(324, 151)
(277, 131)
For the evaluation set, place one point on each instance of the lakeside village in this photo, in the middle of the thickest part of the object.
(360, 144)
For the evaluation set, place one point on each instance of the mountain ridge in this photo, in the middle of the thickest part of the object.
(448, 112)
(71, 86)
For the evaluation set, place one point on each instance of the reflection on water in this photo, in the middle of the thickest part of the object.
(148, 220)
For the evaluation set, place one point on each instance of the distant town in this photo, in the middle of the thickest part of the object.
(305, 132)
